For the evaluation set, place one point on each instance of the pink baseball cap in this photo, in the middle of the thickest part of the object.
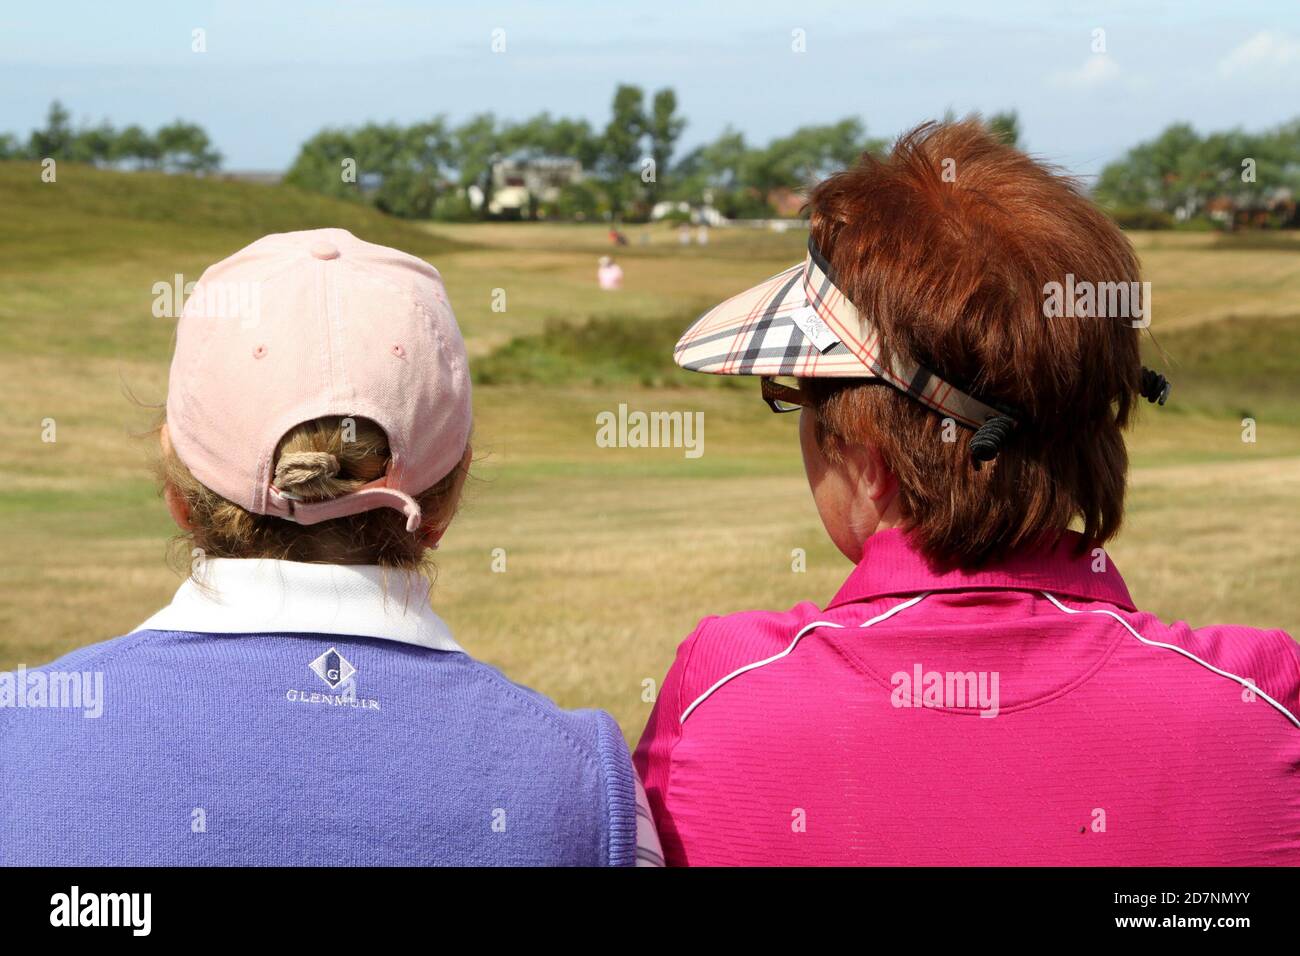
(303, 325)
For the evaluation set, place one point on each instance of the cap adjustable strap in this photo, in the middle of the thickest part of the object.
(366, 498)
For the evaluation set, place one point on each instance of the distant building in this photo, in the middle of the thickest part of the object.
(1273, 208)
(520, 184)
(786, 202)
(705, 214)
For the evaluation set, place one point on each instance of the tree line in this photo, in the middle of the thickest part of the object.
(1182, 176)
(431, 169)
(428, 169)
(174, 147)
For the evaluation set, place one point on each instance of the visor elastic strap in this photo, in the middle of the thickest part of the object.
(367, 498)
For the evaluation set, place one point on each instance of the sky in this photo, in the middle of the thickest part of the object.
(274, 73)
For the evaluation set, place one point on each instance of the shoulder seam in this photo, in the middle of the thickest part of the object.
(498, 680)
(1249, 685)
(107, 648)
(754, 665)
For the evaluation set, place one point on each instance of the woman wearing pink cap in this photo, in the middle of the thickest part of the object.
(299, 702)
(982, 689)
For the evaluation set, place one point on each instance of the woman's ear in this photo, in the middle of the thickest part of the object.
(177, 507)
(432, 533)
(876, 479)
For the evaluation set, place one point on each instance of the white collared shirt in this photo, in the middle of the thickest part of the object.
(266, 596)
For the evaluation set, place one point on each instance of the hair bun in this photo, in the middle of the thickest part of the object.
(303, 467)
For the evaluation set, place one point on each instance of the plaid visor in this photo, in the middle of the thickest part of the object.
(798, 323)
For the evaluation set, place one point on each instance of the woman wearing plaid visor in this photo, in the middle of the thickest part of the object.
(982, 689)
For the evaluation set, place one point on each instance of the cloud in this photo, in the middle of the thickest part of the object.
(1265, 51)
(1097, 70)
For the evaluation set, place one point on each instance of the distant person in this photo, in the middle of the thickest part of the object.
(616, 237)
(684, 234)
(299, 702)
(609, 274)
(982, 690)
(702, 234)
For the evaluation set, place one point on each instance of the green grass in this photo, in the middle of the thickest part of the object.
(614, 350)
(1239, 367)
(613, 554)
(82, 254)
(149, 212)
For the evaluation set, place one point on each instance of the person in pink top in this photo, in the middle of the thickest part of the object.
(609, 274)
(982, 690)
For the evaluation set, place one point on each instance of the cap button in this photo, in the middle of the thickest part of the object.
(324, 250)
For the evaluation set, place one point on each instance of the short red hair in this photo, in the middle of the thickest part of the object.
(949, 245)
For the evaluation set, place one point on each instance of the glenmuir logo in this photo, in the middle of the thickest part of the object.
(333, 668)
(339, 675)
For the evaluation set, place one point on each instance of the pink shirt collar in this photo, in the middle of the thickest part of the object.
(891, 564)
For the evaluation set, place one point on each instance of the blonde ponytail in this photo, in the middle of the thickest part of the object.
(306, 474)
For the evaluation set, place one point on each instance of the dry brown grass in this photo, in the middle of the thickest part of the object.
(613, 554)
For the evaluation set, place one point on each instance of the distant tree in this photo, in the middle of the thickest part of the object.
(476, 145)
(325, 164)
(712, 172)
(579, 200)
(55, 138)
(176, 147)
(1006, 127)
(136, 146)
(807, 155)
(185, 147)
(542, 135)
(1168, 173)
(9, 147)
(1179, 172)
(575, 139)
(418, 172)
(401, 170)
(93, 144)
(621, 147)
(664, 127)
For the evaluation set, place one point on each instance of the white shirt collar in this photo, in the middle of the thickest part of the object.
(264, 596)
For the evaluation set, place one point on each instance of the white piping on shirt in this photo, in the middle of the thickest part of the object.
(1068, 610)
(1174, 647)
(804, 630)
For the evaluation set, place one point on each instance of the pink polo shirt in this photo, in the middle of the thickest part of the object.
(1023, 714)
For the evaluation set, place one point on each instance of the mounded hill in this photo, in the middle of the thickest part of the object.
(80, 257)
(98, 215)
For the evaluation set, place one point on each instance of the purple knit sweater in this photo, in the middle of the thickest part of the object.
(302, 748)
